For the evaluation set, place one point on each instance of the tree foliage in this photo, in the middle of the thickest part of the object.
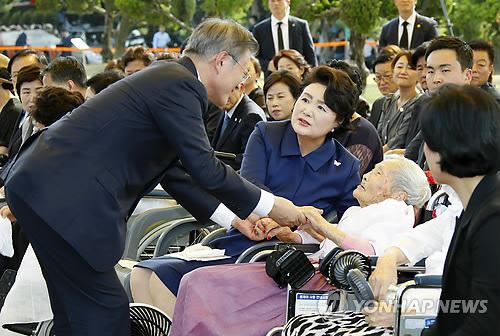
(234, 9)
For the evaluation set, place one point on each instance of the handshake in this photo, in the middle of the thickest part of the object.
(282, 217)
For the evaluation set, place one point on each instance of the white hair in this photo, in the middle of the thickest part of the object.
(410, 178)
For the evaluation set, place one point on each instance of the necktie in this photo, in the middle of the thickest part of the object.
(281, 46)
(403, 43)
(225, 123)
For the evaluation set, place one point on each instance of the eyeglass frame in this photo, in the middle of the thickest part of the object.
(386, 78)
(246, 73)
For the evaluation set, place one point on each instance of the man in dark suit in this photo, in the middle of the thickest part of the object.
(22, 39)
(236, 123)
(410, 29)
(282, 31)
(74, 184)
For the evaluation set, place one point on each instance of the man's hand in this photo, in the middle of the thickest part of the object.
(5, 212)
(315, 220)
(247, 227)
(285, 213)
(381, 316)
(384, 275)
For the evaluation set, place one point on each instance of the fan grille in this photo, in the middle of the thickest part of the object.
(146, 320)
(343, 263)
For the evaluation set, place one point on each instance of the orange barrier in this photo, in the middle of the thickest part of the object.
(317, 45)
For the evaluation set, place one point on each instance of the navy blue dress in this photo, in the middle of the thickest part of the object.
(324, 179)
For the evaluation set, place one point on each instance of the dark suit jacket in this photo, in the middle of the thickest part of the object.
(85, 173)
(299, 36)
(472, 267)
(21, 39)
(425, 29)
(235, 137)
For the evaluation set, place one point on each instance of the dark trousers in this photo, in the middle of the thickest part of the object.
(84, 301)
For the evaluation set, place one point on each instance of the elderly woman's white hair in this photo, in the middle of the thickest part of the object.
(411, 179)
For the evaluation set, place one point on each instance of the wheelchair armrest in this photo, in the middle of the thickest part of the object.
(213, 235)
(225, 155)
(175, 229)
(428, 280)
(306, 248)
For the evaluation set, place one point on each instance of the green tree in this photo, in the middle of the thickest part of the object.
(234, 9)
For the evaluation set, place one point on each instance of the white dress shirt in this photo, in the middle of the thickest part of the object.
(432, 238)
(284, 31)
(411, 24)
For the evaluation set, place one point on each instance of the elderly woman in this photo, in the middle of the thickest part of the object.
(398, 108)
(254, 303)
(281, 89)
(297, 159)
(293, 61)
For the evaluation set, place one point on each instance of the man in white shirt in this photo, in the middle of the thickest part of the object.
(410, 29)
(161, 38)
(282, 31)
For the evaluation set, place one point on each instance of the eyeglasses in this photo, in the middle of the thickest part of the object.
(246, 75)
(386, 77)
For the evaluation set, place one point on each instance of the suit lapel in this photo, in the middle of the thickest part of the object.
(291, 33)
(417, 31)
(235, 120)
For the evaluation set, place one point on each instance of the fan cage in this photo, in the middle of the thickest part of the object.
(146, 320)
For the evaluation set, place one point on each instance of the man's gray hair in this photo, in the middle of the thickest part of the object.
(215, 35)
(409, 177)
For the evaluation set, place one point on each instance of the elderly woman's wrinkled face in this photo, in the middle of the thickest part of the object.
(376, 185)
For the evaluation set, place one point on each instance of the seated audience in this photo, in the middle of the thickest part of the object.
(252, 90)
(10, 109)
(293, 61)
(136, 59)
(100, 81)
(296, 159)
(385, 84)
(482, 68)
(236, 123)
(398, 107)
(281, 89)
(362, 141)
(387, 197)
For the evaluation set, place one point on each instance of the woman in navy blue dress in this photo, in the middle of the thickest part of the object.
(298, 159)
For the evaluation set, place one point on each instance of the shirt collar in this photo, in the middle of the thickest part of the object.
(411, 20)
(231, 111)
(315, 159)
(275, 21)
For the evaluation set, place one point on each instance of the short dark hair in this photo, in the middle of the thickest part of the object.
(6, 80)
(53, 102)
(26, 52)
(462, 49)
(295, 57)
(383, 58)
(350, 69)
(446, 123)
(28, 74)
(341, 94)
(482, 45)
(419, 52)
(286, 77)
(102, 80)
(139, 53)
(66, 68)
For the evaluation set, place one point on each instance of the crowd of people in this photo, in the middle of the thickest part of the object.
(78, 153)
